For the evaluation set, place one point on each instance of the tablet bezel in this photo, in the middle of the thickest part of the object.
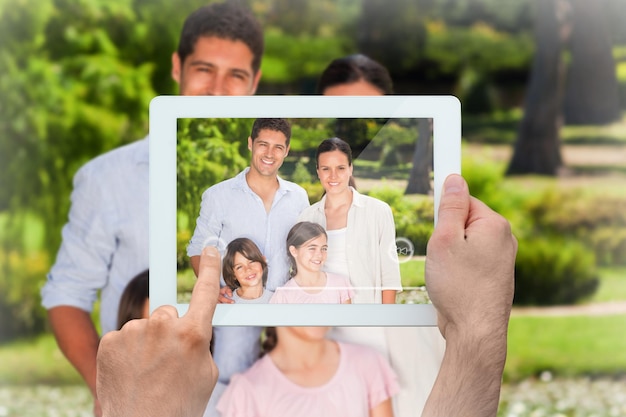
(164, 113)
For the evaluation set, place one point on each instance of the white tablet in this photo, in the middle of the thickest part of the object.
(384, 151)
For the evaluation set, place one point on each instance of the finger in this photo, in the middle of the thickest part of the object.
(225, 300)
(454, 207)
(207, 287)
(164, 312)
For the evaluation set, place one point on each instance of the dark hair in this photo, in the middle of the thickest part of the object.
(249, 250)
(353, 68)
(270, 341)
(228, 20)
(299, 234)
(133, 299)
(277, 125)
(335, 144)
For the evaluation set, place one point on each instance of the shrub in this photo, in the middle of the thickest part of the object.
(598, 221)
(483, 177)
(552, 271)
(182, 240)
(21, 279)
(315, 191)
(609, 244)
(413, 218)
(301, 173)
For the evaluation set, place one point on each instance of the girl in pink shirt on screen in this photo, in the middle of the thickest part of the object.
(305, 374)
(306, 250)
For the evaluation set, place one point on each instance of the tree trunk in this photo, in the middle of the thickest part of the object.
(591, 93)
(537, 149)
(419, 178)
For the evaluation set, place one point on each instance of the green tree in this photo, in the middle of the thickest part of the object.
(207, 151)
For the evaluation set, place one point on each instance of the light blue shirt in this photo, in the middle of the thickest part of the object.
(229, 210)
(105, 241)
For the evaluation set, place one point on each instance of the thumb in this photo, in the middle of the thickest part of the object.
(453, 207)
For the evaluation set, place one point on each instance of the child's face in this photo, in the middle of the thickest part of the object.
(248, 273)
(311, 255)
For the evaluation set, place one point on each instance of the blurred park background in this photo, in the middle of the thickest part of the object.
(543, 90)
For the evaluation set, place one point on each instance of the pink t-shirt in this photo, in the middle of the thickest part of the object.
(337, 290)
(362, 381)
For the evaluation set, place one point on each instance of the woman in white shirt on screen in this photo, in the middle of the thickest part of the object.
(415, 353)
(361, 230)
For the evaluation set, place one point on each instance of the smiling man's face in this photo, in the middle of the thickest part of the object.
(269, 150)
(217, 67)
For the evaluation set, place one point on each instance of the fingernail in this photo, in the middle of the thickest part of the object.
(454, 183)
(209, 251)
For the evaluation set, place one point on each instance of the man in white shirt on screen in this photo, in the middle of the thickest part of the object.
(261, 206)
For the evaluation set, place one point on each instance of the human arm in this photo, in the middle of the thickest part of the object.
(208, 229)
(162, 366)
(78, 340)
(470, 280)
(389, 263)
(93, 254)
(389, 296)
(384, 409)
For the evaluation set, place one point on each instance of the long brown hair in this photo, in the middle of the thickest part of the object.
(270, 341)
(133, 299)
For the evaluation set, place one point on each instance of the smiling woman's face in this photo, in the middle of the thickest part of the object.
(334, 171)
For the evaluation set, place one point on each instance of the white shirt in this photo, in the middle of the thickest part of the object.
(105, 241)
(372, 258)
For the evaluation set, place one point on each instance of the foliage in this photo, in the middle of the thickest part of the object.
(564, 233)
(314, 191)
(301, 174)
(306, 134)
(480, 47)
(205, 156)
(597, 221)
(413, 218)
(20, 282)
(68, 95)
(553, 271)
(512, 17)
(290, 58)
(479, 58)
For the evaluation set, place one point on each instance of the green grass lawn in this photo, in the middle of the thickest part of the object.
(35, 361)
(566, 346)
(412, 273)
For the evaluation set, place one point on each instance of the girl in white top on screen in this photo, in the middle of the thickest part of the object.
(245, 271)
(307, 250)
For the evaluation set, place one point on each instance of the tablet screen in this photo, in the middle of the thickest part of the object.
(403, 147)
